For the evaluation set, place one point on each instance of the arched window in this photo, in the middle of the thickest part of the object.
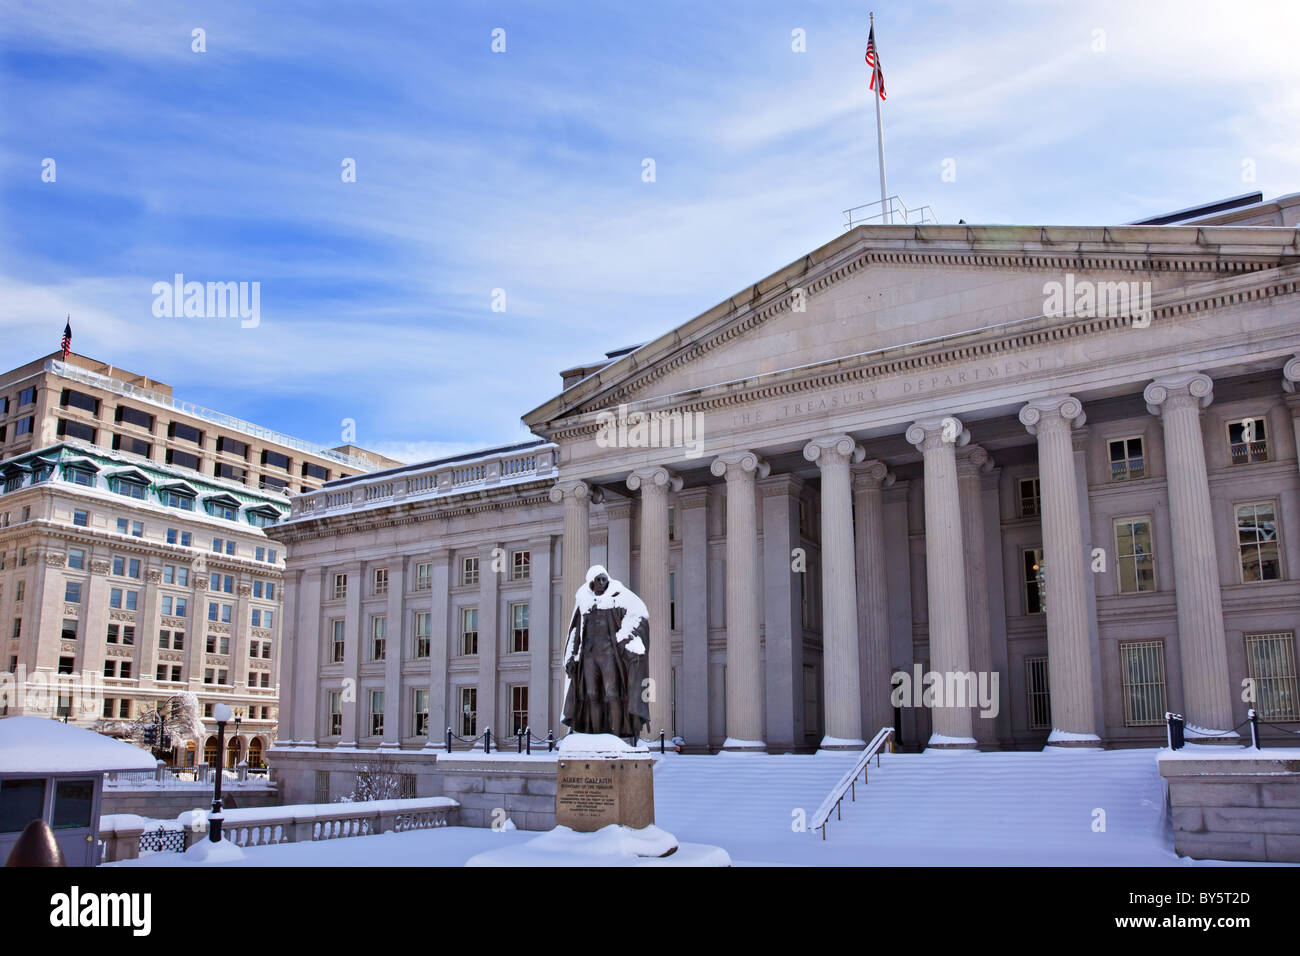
(233, 752)
(190, 751)
(210, 752)
(255, 753)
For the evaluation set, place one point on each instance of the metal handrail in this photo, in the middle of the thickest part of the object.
(890, 211)
(848, 783)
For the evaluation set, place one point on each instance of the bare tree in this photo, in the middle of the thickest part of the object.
(376, 778)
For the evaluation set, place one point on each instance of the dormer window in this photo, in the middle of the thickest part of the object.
(222, 506)
(178, 494)
(129, 484)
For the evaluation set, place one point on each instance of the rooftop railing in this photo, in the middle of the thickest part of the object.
(537, 461)
(889, 212)
(94, 379)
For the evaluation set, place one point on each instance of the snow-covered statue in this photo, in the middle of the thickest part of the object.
(605, 659)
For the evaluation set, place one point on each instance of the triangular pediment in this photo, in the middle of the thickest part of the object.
(880, 289)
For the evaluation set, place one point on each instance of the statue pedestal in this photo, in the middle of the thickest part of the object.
(601, 780)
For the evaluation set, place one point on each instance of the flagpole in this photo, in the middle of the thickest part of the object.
(880, 142)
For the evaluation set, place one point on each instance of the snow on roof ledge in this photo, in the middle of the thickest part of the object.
(34, 745)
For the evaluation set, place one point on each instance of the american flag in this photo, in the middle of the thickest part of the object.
(873, 61)
(67, 338)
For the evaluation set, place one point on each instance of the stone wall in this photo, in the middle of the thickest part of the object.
(524, 789)
(1236, 807)
(167, 804)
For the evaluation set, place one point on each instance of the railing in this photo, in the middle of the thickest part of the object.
(889, 212)
(1176, 730)
(125, 836)
(1243, 452)
(436, 479)
(151, 397)
(848, 783)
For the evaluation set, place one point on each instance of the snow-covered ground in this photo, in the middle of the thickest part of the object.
(1052, 808)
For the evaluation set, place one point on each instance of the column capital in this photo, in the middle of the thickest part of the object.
(834, 450)
(973, 461)
(928, 433)
(656, 477)
(571, 490)
(1194, 390)
(1056, 411)
(1291, 373)
(872, 474)
(739, 464)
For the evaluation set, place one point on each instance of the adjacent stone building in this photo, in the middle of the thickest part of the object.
(133, 546)
(1055, 465)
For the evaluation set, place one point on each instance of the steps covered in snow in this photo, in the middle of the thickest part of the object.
(1017, 808)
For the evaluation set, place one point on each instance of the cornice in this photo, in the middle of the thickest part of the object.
(978, 344)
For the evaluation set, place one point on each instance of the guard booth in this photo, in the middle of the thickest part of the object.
(54, 772)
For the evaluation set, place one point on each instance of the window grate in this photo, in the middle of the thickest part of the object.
(1142, 669)
(1270, 663)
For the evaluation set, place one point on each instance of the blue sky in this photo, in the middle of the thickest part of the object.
(522, 170)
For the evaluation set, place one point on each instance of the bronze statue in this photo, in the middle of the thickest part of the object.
(605, 659)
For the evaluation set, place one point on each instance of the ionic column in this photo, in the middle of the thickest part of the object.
(869, 481)
(744, 667)
(395, 708)
(972, 464)
(938, 439)
(1178, 401)
(440, 627)
(576, 496)
(655, 484)
(841, 677)
(1069, 653)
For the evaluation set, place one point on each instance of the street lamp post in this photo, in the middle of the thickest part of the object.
(222, 714)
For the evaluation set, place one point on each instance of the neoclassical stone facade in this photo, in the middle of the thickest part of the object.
(898, 455)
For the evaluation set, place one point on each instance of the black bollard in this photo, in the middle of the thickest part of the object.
(1254, 727)
(36, 846)
(448, 740)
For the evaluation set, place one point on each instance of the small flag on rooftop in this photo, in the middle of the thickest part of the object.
(67, 338)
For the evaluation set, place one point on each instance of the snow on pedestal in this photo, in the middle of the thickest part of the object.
(602, 746)
(205, 851)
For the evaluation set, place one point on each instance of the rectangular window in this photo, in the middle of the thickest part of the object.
(74, 399)
(1029, 497)
(420, 708)
(376, 713)
(183, 459)
(230, 472)
(672, 600)
(421, 634)
(319, 472)
(1034, 581)
(340, 586)
(134, 416)
(183, 432)
(1039, 693)
(469, 571)
(71, 592)
(78, 430)
(469, 712)
(518, 628)
(381, 581)
(469, 630)
(1247, 441)
(1257, 541)
(1134, 555)
(81, 518)
(378, 637)
(521, 565)
(336, 642)
(1142, 669)
(1270, 665)
(69, 629)
(132, 445)
(518, 709)
(232, 446)
(423, 577)
(76, 558)
(1127, 460)
(273, 459)
(27, 396)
